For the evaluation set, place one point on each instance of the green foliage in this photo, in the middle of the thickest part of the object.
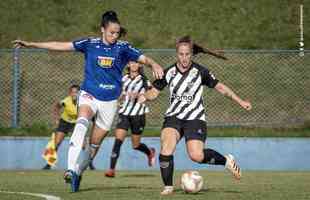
(226, 24)
(43, 129)
(35, 129)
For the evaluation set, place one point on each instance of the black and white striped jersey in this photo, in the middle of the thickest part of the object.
(186, 91)
(130, 91)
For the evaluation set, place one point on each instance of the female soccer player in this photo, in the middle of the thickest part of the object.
(131, 115)
(186, 114)
(105, 59)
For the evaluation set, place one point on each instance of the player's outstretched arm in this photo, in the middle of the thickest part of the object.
(223, 89)
(158, 71)
(149, 95)
(55, 46)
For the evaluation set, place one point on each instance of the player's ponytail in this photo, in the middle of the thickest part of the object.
(197, 48)
(111, 17)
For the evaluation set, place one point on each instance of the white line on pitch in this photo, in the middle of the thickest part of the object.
(47, 197)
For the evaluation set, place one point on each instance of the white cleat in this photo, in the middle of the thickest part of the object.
(168, 190)
(232, 166)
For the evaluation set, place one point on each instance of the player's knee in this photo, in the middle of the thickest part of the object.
(166, 151)
(196, 156)
(82, 121)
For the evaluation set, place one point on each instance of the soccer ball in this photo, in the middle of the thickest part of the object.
(191, 182)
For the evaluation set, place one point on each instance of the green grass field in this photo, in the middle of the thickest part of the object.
(156, 24)
(147, 185)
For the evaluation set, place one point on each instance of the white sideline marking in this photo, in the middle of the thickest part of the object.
(47, 197)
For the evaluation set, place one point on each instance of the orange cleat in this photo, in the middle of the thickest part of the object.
(110, 173)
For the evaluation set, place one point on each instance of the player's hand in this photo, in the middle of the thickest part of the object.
(158, 71)
(56, 123)
(246, 105)
(20, 43)
(141, 98)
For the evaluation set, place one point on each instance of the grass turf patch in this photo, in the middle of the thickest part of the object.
(147, 185)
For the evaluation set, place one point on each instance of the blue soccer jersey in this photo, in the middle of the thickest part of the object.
(104, 65)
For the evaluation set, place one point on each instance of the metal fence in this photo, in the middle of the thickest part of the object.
(277, 83)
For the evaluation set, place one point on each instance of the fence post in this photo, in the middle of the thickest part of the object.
(16, 90)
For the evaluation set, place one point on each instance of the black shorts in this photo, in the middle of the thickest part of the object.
(135, 123)
(190, 129)
(65, 127)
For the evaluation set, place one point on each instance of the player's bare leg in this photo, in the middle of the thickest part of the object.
(198, 153)
(169, 138)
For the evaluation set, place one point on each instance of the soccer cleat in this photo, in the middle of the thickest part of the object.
(232, 166)
(110, 173)
(151, 158)
(167, 190)
(68, 176)
(75, 182)
(91, 166)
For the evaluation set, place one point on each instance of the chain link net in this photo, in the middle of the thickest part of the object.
(276, 82)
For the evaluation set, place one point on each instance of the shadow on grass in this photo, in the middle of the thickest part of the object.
(137, 188)
(138, 175)
(116, 188)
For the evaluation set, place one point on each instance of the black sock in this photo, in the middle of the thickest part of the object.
(166, 169)
(143, 148)
(213, 157)
(115, 152)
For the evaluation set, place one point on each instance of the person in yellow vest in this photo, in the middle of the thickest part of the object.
(65, 122)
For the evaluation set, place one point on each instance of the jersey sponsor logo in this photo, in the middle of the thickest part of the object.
(107, 86)
(185, 97)
(105, 62)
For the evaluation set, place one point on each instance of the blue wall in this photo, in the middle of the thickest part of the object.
(251, 153)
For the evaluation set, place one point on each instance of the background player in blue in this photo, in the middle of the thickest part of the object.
(186, 114)
(105, 59)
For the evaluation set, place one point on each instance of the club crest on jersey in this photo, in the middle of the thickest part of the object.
(105, 62)
(193, 73)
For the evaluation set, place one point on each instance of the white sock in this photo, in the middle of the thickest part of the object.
(76, 142)
(84, 161)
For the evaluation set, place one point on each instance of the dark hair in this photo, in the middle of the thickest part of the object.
(197, 48)
(74, 86)
(111, 17)
(140, 70)
(144, 77)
